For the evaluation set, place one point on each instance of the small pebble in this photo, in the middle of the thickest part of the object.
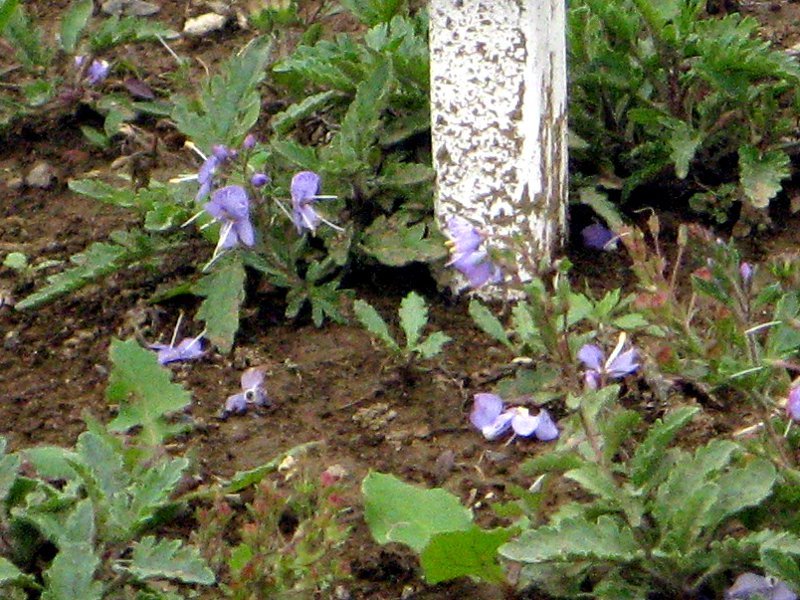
(41, 175)
(199, 26)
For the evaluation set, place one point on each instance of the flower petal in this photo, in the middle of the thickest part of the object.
(624, 364)
(793, 404)
(231, 201)
(305, 185)
(245, 232)
(592, 356)
(485, 409)
(523, 422)
(498, 427)
(547, 430)
(236, 404)
(252, 377)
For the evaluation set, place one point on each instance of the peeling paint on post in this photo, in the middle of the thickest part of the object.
(498, 110)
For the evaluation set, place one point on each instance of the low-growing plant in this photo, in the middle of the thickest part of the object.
(287, 542)
(413, 313)
(79, 523)
(660, 91)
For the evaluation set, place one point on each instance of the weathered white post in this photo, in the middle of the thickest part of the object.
(499, 122)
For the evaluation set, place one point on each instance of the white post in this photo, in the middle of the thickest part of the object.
(499, 122)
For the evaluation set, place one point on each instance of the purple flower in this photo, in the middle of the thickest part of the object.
(746, 271)
(618, 365)
(230, 206)
(489, 415)
(249, 142)
(468, 255)
(187, 349)
(253, 392)
(598, 237)
(305, 193)
(97, 71)
(259, 180)
(749, 586)
(793, 404)
(205, 176)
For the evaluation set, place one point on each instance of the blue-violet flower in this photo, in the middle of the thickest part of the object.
(305, 188)
(598, 237)
(749, 586)
(468, 254)
(599, 370)
(493, 419)
(253, 392)
(187, 349)
(231, 207)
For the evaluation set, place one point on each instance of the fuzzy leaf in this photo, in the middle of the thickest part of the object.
(372, 12)
(283, 122)
(74, 23)
(761, 173)
(471, 553)
(9, 466)
(596, 481)
(575, 538)
(168, 559)
(6, 10)
(144, 392)
(651, 451)
(398, 512)
(229, 103)
(432, 345)
(413, 317)
(97, 260)
(11, 575)
(489, 324)
(741, 488)
(154, 487)
(374, 323)
(223, 290)
(402, 175)
(71, 574)
(399, 240)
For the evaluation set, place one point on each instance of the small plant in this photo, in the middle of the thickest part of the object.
(95, 507)
(286, 542)
(413, 315)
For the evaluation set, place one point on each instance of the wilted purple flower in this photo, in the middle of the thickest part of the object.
(746, 271)
(793, 403)
(259, 180)
(253, 392)
(493, 419)
(618, 365)
(468, 254)
(187, 349)
(305, 193)
(205, 175)
(749, 586)
(598, 237)
(230, 206)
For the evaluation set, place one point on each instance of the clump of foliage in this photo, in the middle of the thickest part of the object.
(665, 92)
(413, 313)
(286, 542)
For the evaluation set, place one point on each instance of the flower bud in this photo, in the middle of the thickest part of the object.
(259, 180)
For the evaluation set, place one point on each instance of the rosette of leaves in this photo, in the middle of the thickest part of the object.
(670, 95)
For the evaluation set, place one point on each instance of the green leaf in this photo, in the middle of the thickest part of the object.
(223, 290)
(11, 575)
(15, 260)
(245, 479)
(6, 10)
(575, 538)
(97, 260)
(302, 156)
(105, 192)
(741, 488)
(402, 175)
(400, 240)
(683, 142)
(617, 428)
(374, 323)
(651, 451)
(154, 487)
(71, 575)
(283, 122)
(9, 468)
(95, 136)
(168, 559)
(596, 481)
(471, 553)
(74, 23)
(398, 512)
(373, 12)
(413, 317)
(144, 392)
(761, 173)
(488, 323)
(432, 345)
(114, 31)
(229, 103)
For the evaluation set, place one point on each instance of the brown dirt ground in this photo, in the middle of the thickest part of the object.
(54, 364)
